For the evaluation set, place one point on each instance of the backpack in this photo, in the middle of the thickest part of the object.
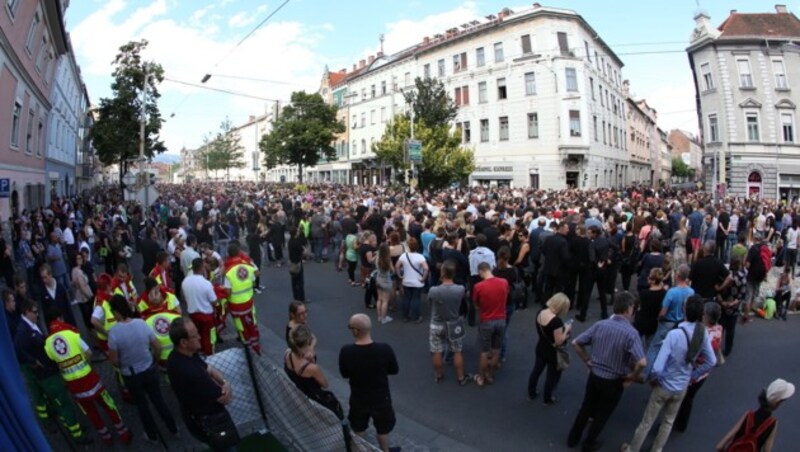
(766, 257)
(748, 442)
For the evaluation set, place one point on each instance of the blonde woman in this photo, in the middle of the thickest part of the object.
(384, 283)
(553, 332)
(679, 256)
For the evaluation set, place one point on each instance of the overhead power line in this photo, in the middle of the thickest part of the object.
(245, 37)
(254, 79)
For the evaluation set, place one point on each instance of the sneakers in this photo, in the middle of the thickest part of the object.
(387, 319)
(257, 290)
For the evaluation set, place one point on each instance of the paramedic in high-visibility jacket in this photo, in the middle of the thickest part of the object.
(240, 275)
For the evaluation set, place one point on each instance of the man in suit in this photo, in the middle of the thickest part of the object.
(555, 251)
(42, 375)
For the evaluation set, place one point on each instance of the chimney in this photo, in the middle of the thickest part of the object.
(426, 40)
(252, 118)
(362, 63)
(371, 59)
(380, 54)
(343, 70)
(355, 67)
(537, 5)
(781, 9)
(733, 11)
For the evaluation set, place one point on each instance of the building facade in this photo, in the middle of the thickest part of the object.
(747, 82)
(250, 134)
(687, 147)
(333, 89)
(64, 130)
(640, 125)
(32, 38)
(539, 98)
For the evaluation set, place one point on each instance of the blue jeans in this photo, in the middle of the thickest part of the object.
(318, 245)
(731, 243)
(411, 302)
(509, 313)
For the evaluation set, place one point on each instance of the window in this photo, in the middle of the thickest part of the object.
(708, 81)
(591, 86)
(383, 114)
(504, 128)
(363, 146)
(533, 125)
(588, 54)
(604, 132)
(355, 121)
(572, 79)
(363, 94)
(563, 43)
(616, 137)
(372, 116)
(498, 52)
(745, 77)
(383, 87)
(32, 33)
(480, 57)
(42, 53)
(15, 119)
(787, 126)
(602, 99)
(467, 137)
(484, 130)
(482, 96)
(594, 128)
(426, 70)
(597, 60)
(355, 147)
(713, 129)
(502, 93)
(780, 74)
(41, 140)
(525, 40)
(460, 62)
(574, 123)
(372, 91)
(407, 79)
(751, 121)
(465, 95)
(440, 67)
(530, 83)
(29, 135)
(364, 119)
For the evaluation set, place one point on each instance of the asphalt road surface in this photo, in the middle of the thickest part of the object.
(499, 417)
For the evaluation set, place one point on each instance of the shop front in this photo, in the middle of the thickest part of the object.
(501, 175)
(789, 187)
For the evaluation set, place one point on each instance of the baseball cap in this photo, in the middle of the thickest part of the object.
(779, 390)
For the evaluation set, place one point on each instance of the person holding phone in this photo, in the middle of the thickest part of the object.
(553, 332)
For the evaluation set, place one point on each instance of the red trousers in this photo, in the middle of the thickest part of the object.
(103, 399)
(207, 328)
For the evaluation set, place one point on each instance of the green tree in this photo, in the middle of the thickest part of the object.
(680, 168)
(228, 151)
(444, 160)
(431, 102)
(302, 134)
(116, 133)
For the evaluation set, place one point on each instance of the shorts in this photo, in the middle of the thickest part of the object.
(382, 418)
(695, 244)
(438, 337)
(491, 334)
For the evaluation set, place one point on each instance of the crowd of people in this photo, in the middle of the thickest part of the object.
(475, 255)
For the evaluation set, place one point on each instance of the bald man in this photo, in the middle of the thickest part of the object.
(367, 365)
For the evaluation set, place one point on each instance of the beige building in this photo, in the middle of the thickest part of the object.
(640, 124)
(747, 80)
(687, 147)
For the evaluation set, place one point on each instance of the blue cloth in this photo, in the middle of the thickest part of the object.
(671, 368)
(616, 346)
(695, 224)
(20, 429)
(674, 301)
(426, 238)
(58, 265)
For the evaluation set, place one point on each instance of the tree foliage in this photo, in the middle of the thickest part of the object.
(680, 168)
(444, 160)
(302, 134)
(224, 151)
(115, 134)
(431, 102)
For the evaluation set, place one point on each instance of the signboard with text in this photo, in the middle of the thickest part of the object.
(414, 150)
(5, 188)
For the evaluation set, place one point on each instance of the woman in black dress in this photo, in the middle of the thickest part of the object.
(650, 300)
(552, 333)
(305, 373)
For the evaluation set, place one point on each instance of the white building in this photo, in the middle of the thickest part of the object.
(539, 94)
(250, 134)
(747, 79)
(66, 120)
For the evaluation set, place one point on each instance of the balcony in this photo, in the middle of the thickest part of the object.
(85, 171)
(573, 152)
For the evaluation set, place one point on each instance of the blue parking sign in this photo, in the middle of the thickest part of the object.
(5, 188)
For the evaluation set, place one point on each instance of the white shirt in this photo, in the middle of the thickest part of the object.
(791, 238)
(31, 324)
(412, 265)
(199, 295)
(187, 256)
(69, 238)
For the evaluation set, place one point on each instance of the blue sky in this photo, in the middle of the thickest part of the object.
(189, 38)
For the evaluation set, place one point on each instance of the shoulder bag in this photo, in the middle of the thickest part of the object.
(562, 354)
(220, 430)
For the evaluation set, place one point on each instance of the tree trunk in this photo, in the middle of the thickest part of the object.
(300, 173)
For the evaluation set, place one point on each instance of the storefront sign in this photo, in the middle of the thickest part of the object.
(494, 169)
(5, 188)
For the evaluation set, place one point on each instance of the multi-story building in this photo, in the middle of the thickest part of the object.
(86, 163)
(665, 158)
(32, 38)
(546, 107)
(64, 128)
(747, 80)
(687, 147)
(334, 90)
(250, 134)
(640, 123)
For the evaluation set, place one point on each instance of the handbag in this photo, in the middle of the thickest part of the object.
(294, 267)
(562, 354)
(455, 328)
(220, 430)
(519, 293)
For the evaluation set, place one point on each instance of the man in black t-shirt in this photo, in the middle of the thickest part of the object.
(367, 365)
(709, 275)
(201, 390)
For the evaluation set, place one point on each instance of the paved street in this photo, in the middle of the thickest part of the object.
(499, 417)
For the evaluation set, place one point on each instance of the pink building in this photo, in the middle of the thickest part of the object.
(32, 36)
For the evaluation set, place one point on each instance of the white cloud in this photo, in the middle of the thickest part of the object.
(189, 48)
(241, 19)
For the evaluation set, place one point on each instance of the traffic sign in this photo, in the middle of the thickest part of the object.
(5, 188)
(415, 150)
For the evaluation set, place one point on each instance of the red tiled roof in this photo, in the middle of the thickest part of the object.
(336, 77)
(771, 24)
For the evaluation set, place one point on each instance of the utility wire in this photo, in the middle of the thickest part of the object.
(260, 24)
(254, 79)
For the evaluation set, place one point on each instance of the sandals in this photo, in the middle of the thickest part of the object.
(479, 381)
(465, 381)
(438, 379)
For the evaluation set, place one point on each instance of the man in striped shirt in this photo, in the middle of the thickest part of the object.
(614, 345)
